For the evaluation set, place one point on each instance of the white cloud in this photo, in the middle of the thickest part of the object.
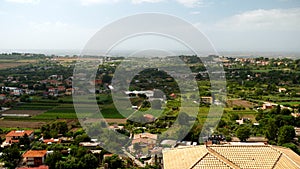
(257, 30)
(91, 2)
(191, 3)
(274, 19)
(146, 1)
(24, 1)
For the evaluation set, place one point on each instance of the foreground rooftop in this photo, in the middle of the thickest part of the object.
(231, 157)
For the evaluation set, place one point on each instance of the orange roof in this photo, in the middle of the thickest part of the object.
(15, 133)
(35, 153)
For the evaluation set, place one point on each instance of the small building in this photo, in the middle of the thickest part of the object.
(107, 155)
(297, 130)
(145, 139)
(69, 91)
(116, 127)
(35, 157)
(61, 88)
(268, 106)
(282, 90)
(240, 122)
(135, 107)
(51, 141)
(2, 96)
(89, 144)
(295, 114)
(147, 93)
(207, 100)
(15, 135)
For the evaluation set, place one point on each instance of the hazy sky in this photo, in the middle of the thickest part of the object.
(231, 25)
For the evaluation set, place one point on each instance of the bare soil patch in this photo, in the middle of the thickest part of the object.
(242, 103)
(30, 112)
(21, 124)
(5, 64)
(119, 121)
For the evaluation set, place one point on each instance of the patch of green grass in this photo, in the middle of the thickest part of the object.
(110, 111)
(34, 106)
(243, 112)
(261, 71)
(290, 103)
(53, 116)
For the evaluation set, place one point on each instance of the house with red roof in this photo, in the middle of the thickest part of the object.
(51, 141)
(15, 135)
(35, 157)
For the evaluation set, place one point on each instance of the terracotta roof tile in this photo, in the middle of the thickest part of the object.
(229, 156)
(35, 153)
(21, 133)
(181, 158)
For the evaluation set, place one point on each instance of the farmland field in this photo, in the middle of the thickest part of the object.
(35, 106)
(289, 103)
(238, 102)
(30, 112)
(9, 63)
(21, 124)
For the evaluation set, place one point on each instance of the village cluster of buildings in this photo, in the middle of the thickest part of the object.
(55, 84)
(172, 154)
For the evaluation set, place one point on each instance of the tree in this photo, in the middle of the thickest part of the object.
(114, 162)
(60, 127)
(278, 109)
(53, 158)
(25, 98)
(11, 156)
(243, 132)
(285, 112)
(286, 134)
(234, 116)
(89, 161)
(78, 151)
(222, 123)
(70, 163)
(271, 130)
(81, 138)
(25, 141)
(282, 120)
